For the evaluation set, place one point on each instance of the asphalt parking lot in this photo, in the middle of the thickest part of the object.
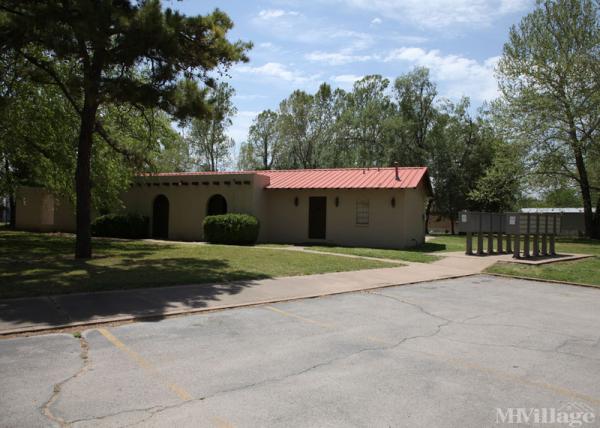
(438, 354)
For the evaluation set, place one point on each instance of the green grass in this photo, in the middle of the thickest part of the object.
(33, 264)
(585, 271)
(444, 243)
(415, 255)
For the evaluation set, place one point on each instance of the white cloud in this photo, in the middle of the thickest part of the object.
(376, 21)
(337, 58)
(357, 40)
(457, 74)
(277, 71)
(345, 80)
(441, 13)
(276, 13)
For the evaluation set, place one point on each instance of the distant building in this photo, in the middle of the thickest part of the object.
(374, 207)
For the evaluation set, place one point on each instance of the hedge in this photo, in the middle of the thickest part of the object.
(237, 229)
(129, 226)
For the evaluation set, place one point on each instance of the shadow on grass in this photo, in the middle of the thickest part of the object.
(75, 297)
(42, 265)
(428, 247)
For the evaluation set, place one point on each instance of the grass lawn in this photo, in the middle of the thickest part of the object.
(34, 264)
(441, 243)
(446, 243)
(585, 271)
(414, 255)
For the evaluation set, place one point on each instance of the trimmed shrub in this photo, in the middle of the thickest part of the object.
(237, 229)
(128, 226)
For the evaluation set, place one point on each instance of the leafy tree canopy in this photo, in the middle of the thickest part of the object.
(105, 52)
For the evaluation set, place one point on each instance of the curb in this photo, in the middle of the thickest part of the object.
(551, 281)
(173, 314)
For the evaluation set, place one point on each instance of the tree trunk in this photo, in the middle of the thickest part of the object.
(427, 212)
(586, 194)
(12, 203)
(83, 242)
(12, 210)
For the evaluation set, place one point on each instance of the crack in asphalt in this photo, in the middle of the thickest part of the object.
(555, 349)
(406, 302)
(121, 412)
(155, 410)
(45, 409)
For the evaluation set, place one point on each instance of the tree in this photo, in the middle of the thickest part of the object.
(460, 149)
(208, 137)
(36, 134)
(306, 126)
(368, 121)
(38, 140)
(247, 159)
(415, 94)
(125, 52)
(499, 188)
(263, 136)
(549, 76)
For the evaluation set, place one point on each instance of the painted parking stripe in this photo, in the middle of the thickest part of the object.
(298, 317)
(153, 370)
(146, 365)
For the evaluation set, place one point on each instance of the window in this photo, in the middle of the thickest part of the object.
(362, 212)
(216, 205)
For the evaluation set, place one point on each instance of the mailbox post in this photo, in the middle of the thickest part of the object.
(545, 236)
(490, 244)
(480, 236)
(500, 223)
(554, 230)
(526, 252)
(536, 243)
(521, 230)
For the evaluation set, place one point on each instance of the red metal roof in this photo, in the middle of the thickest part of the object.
(337, 178)
(345, 178)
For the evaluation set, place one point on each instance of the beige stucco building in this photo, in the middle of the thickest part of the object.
(355, 207)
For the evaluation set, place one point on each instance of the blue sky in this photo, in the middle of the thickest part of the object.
(300, 44)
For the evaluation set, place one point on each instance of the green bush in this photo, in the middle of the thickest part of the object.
(129, 226)
(238, 229)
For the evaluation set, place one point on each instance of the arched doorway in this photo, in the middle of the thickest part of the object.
(160, 217)
(216, 205)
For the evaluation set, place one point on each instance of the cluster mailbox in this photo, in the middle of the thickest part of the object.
(509, 229)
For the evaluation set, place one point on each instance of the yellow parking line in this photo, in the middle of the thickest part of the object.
(221, 423)
(307, 320)
(146, 365)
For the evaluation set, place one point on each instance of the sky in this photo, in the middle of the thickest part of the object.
(300, 44)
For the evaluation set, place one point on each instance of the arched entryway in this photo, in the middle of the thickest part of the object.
(160, 217)
(216, 205)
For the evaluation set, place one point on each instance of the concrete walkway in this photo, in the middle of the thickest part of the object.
(43, 313)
